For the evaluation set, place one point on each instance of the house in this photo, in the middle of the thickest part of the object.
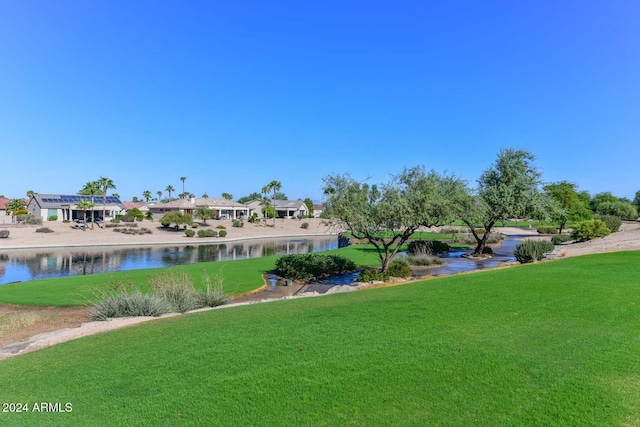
(317, 210)
(64, 207)
(6, 217)
(222, 208)
(284, 208)
(143, 206)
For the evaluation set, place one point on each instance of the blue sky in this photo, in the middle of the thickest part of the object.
(233, 95)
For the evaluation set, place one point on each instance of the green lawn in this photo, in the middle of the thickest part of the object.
(555, 343)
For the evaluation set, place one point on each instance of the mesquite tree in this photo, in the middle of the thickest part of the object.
(387, 215)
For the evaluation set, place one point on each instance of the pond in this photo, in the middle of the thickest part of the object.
(454, 262)
(30, 264)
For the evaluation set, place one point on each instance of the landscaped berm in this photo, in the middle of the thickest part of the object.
(550, 343)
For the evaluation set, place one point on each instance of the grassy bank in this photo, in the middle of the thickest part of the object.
(240, 276)
(547, 344)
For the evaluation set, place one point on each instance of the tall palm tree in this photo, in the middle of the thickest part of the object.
(106, 184)
(183, 179)
(30, 193)
(159, 193)
(91, 188)
(275, 186)
(147, 195)
(264, 199)
(169, 189)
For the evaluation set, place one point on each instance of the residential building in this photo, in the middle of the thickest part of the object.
(64, 207)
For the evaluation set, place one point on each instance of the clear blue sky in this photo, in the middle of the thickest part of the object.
(234, 94)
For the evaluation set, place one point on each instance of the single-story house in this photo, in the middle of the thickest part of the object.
(317, 210)
(143, 206)
(5, 217)
(284, 208)
(64, 207)
(222, 208)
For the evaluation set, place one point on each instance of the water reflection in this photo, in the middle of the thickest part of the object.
(30, 264)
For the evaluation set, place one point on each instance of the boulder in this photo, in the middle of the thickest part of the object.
(4, 234)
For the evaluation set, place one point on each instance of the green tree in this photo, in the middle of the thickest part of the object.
(85, 205)
(636, 200)
(386, 216)
(309, 203)
(105, 184)
(250, 198)
(169, 189)
(91, 188)
(205, 195)
(15, 205)
(147, 195)
(508, 189)
(569, 205)
(227, 196)
(169, 218)
(30, 193)
(204, 213)
(159, 193)
(135, 199)
(116, 195)
(608, 204)
(275, 186)
(183, 195)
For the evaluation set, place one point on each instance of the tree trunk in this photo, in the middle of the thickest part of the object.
(481, 244)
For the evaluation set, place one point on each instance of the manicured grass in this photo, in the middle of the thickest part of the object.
(555, 343)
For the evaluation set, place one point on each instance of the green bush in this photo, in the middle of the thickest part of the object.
(399, 268)
(372, 275)
(135, 213)
(559, 239)
(547, 230)
(590, 229)
(189, 233)
(253, 218)
(237, 223)
(428, 247)
(532, 250)
(44, 230)
(304, 225)
(487, 250)
(207, 233)
(306, 266)
(30, 219)
(127, 218)
(419, 260)
(53, 218)
(221, 227)
(613, 222)
(194, 225)
(222, 233)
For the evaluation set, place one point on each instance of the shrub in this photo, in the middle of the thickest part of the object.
(53, 218)
(532, 250)
(149, 215)
(237, 223)
(304, 225)
(613, 222)
(177, 290)
(66, 221)
(44, 230)
(189, 233)
(399, 268)
(371, 275)
(221, 227)
(428, 247)
(127, 218)
(547, 230)
(559, 239)
(207, 233)
(419, 259)
(125, 304)
(222, 233)
(306, 266)
(487, 250)
(213, 295)
(194, 225)
(590, 229)
(253, 218)
(33, 220)
(135, 213)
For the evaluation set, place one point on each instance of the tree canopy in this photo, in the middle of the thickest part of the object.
(568, 204)
(387, 215)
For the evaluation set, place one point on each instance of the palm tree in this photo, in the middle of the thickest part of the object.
(116, 195)
(85, 205)
(147, 195)
(30, 193)
(91, 188)
(159, 193)
(106, 184)
(169, 189)
(264, 199)
(275, 186)
(205, 195)
(227, 196)
(183, 179)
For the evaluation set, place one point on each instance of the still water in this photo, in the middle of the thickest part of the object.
(31, 264)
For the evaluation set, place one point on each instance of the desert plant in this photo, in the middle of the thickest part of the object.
(127, 218)
(52, 218)
(135, 213)
(613, 222)
(33, 220)
(213, 296)
(222, 233)
(189, 233)
(44, 230)
(532, 250)
(237, 223)
(422, 260)
(589, 229)
(221, 227)
(304, 225)
(372, 275)
(430, 247)
(121, 303)
(399, 268)
(177, 290)
(546, 229)
(559, 239)
(207, 233)
(194, 225)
